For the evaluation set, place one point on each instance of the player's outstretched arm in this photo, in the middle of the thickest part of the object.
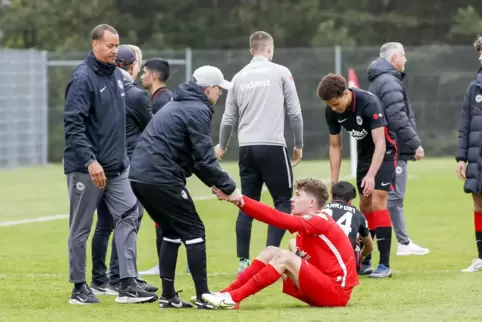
(335, 157)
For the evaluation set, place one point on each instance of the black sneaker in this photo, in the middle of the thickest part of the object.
(98, 288)
(175, 302)
(112, 288)
(146, 287)
(203, 305)
(83, 296)
(134, 293)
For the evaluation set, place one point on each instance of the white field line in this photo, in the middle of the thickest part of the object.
(66, 216)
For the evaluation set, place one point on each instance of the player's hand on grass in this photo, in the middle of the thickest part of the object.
(368, 184)
(219, 152)
(419, 153)
(97, 174)
(461, 170)
(297, 156)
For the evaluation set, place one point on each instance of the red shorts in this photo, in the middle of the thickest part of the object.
(316, 288)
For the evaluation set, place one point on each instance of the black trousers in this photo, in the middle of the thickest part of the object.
(258, 165)
(172, 208)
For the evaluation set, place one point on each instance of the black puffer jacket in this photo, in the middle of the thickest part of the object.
(386, 83)
(470, 135)
(177, 143)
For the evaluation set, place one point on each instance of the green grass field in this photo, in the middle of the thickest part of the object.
(34, 274)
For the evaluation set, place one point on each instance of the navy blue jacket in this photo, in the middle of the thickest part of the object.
(95, 118)
(177, 143)
(138, 112)
(470, 136)
(387, 84)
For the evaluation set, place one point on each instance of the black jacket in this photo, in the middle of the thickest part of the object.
(177, 143)
(160, 97)
(386, 83)
(470, 135)
(95, 118)
(138, 112)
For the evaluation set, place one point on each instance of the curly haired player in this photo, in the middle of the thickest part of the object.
(323, 275)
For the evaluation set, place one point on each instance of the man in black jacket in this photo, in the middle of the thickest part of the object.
(96, 165)
(469, 152)
(386, 77)
(177, 143)
(155, 75)
(138, 115)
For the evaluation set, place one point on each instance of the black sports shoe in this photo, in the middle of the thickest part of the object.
(112, 288)
(83, 296)
(203, 305)
(134, 293)
(145, 286)
(98, 288)
(175, 302)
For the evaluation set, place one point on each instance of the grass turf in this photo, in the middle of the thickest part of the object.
(34, 274)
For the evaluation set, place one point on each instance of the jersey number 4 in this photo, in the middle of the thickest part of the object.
(344, 221)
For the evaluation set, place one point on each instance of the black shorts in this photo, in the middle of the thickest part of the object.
(384, 179)
(172, 208)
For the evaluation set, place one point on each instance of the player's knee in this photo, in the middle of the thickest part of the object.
(268, 253)
(285, 259)
(477, 202)
(379, 200)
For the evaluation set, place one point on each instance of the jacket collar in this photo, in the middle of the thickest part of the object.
(99, 67)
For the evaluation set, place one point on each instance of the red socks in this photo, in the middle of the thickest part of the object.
(246, 275)
(267, 276)
(379, 218)
(478, 221)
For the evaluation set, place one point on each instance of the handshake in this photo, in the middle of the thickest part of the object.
(236, 197)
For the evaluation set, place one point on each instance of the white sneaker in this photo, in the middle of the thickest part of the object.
(411, 249)
(220, 300)
(476, 265)
(152, 271)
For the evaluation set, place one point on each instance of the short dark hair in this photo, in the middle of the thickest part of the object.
(478, 44)
(343, 191)
(160, 66)
(259, 40)
(98, 32)
(314, 187)
(331, 86)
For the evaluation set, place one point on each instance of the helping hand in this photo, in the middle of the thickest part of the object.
(419, 153)
(236, 197)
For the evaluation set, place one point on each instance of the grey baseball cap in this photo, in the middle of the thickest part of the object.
(211, 76)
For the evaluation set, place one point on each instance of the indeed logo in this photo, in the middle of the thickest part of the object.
(254, 84)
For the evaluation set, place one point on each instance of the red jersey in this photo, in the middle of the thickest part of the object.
(320, 241)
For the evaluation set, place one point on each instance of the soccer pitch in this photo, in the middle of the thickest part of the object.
(34, 276)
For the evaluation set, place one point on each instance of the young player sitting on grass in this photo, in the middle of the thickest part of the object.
(324, 274)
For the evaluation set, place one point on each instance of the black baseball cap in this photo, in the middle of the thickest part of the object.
(125, 56)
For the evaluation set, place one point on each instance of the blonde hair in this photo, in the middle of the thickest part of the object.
(138, 52)
(259, 41)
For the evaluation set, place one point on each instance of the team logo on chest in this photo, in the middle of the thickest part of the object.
(359, 120)
(478, 98)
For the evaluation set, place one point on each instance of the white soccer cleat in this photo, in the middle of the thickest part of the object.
(220, 300)
(152, 271)
(411, 249)
(474, 267)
